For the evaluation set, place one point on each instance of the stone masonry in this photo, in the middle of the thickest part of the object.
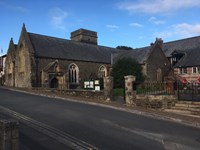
(129, 93)
(9, 135)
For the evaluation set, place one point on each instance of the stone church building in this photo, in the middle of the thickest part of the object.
(44, 61)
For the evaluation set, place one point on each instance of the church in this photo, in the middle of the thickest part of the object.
(45, 61)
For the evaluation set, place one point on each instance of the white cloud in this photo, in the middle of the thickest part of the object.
(135, 24)
(183, 30)
(112, 27)
(157, 6)
(164, 34)
(156, 21)
(58, 17)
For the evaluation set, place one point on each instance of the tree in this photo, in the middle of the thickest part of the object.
(124, 47)
(123, 67)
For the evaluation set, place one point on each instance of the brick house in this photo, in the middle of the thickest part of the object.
(184, 56)
(187, 69)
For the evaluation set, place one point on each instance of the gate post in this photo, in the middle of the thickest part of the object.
(129, 93)
(108, 88)
(9, 135)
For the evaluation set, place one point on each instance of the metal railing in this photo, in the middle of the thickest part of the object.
(156, 88)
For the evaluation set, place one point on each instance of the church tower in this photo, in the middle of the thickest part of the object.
(83, 35)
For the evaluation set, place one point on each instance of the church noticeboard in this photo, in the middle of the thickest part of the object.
(92, 85)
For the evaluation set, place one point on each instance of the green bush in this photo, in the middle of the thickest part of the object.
(123, 67)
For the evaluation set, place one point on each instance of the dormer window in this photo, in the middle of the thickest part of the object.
(176, 56)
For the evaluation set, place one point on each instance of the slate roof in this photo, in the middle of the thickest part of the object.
(191, 59)
(52, 47)
(138, 54)
(182, 45)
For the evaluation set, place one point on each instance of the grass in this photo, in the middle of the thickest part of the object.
(118, 92)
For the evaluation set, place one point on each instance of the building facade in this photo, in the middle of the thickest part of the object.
(2, 69)
(44, 61)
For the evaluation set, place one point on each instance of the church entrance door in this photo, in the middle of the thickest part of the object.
(54, 83)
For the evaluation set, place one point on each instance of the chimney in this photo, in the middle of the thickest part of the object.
(159, 40)
(85, 36)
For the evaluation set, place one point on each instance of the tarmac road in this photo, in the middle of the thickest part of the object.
(103, 128)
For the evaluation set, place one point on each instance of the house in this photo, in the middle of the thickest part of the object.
(44, 61)
(188, 68)
(2, 68)
(155, 65)
(184, 56)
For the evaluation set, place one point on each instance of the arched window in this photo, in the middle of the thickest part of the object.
(102, 71)
(73, 74)
(159, 75)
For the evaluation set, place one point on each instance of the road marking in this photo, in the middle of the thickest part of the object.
(165, 140)
(52, 132)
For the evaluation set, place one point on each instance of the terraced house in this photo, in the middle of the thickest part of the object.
(45, 61)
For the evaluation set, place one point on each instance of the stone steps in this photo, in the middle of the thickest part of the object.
(182, 112)
(186, 108)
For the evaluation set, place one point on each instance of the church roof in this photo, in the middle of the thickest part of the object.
(52, 47)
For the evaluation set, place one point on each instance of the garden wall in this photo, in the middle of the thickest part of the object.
(156, 101)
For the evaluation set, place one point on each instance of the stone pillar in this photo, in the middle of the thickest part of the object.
(129, 93)
(108, 88)
(9, 135)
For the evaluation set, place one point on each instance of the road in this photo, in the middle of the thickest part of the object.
(104, 128)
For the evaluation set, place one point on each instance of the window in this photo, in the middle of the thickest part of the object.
(21, 61)
(194, 70)
(183, 70)
(159, 75)
(73, 74)
(198, 69)
(102, 71)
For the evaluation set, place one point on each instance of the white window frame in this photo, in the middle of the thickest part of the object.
(194, 70)
(198, 69)
(183, 70)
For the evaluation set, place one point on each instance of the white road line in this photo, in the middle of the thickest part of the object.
(52, 132)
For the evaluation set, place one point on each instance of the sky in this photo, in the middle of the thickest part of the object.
(133, 23)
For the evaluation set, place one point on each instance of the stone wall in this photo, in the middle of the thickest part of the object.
(9, 65)
(89, 94)
(156, 60)
(86, 69)
(9, 135)
(156, 101)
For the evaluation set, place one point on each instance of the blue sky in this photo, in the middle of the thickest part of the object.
(134, 23)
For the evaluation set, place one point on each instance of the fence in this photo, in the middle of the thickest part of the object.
(189, 91)
(156, 88)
